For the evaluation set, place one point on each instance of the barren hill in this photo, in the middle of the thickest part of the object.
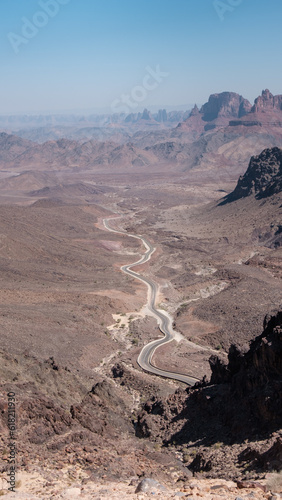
(27, 181)
(66, 153)
(12, 146)
(70, 191)
(126, 154)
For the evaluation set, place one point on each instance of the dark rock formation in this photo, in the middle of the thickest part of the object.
(255, 378)
(242, 401)
(263, 177)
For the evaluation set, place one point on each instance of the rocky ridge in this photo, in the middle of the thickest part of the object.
(263, 177)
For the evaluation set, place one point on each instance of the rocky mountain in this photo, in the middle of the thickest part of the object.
(224, 145)
(12, 146)
(267, 102)
(126, 154)
(193, 125)
(18, 153)
(40, 154)
(225, 106)
(266, 111)
(263, 177)
(221, 110)
(218, 111)
(217, 139)
(85, 154)
(172, 151)
(229, 108)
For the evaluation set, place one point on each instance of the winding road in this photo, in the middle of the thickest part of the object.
(164, 320)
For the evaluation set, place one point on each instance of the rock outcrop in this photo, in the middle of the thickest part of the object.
(266, 112)
(267, 102)
(263, 177)
(225, 105)
(255, 378)
(218, 111)
(242, 401)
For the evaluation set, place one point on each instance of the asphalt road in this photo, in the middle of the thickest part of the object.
(164, 321)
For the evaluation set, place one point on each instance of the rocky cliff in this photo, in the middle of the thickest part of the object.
(254, 378)
(218, 111)
(263, 177)
(241, 403)
(266, 112)
(267, 102)
(225, 105)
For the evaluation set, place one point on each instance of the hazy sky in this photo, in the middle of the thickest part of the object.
(60, 55)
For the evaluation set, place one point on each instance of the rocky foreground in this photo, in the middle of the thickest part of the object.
(231, 426)
(225, 437)
(68, 484)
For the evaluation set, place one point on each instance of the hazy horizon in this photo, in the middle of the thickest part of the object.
(101, 111)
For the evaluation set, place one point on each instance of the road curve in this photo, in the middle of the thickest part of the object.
(164, 321)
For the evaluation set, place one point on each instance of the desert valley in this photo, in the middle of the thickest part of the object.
(204, 188)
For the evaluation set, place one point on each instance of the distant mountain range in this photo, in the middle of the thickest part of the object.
(219, 138)
(118, 127)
